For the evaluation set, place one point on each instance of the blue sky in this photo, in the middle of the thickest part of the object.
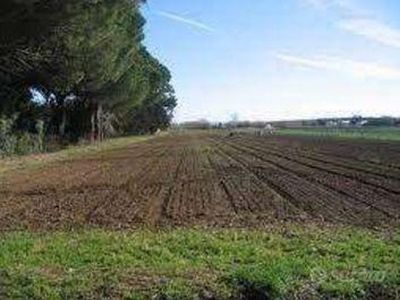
(274, 60)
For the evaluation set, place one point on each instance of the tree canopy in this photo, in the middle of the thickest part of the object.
(87, 62)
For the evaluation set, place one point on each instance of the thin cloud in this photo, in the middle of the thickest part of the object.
(318, 4)
(192, 23)
(373, 30)
(340, 65)
(359, 22)
(345, 7)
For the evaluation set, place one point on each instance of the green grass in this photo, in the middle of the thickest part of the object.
(376, 133)
(29, 162)
(181, 263)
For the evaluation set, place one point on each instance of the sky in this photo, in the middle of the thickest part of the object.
(278, 59)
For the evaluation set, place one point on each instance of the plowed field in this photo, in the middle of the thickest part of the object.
(211, 180)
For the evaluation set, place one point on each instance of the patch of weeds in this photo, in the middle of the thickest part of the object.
(266, 280)
(35, 286)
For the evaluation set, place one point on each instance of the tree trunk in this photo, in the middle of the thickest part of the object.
(100, 129)
(63, 123)
(93, 123)
(61, 107)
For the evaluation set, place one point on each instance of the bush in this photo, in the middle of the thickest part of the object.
(12, 143)
(8, 141)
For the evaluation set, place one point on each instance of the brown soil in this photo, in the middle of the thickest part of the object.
(211, 180)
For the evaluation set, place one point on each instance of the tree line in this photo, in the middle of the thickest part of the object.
(78, 69)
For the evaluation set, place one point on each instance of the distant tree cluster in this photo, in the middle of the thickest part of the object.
(384, 121)
(355, 121)
(80, 67)
(196, 125)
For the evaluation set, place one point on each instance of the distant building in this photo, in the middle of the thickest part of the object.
(332, 123)
(345, 123)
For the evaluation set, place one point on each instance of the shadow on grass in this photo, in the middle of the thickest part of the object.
(255, 291)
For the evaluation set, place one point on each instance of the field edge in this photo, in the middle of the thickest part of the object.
(28, 162)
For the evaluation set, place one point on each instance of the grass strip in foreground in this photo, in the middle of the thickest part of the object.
(187, 263)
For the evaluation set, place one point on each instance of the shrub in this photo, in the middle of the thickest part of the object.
(8, 141)
(12, 142)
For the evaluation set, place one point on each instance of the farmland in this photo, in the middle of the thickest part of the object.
(205, 215)
(211, 180)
